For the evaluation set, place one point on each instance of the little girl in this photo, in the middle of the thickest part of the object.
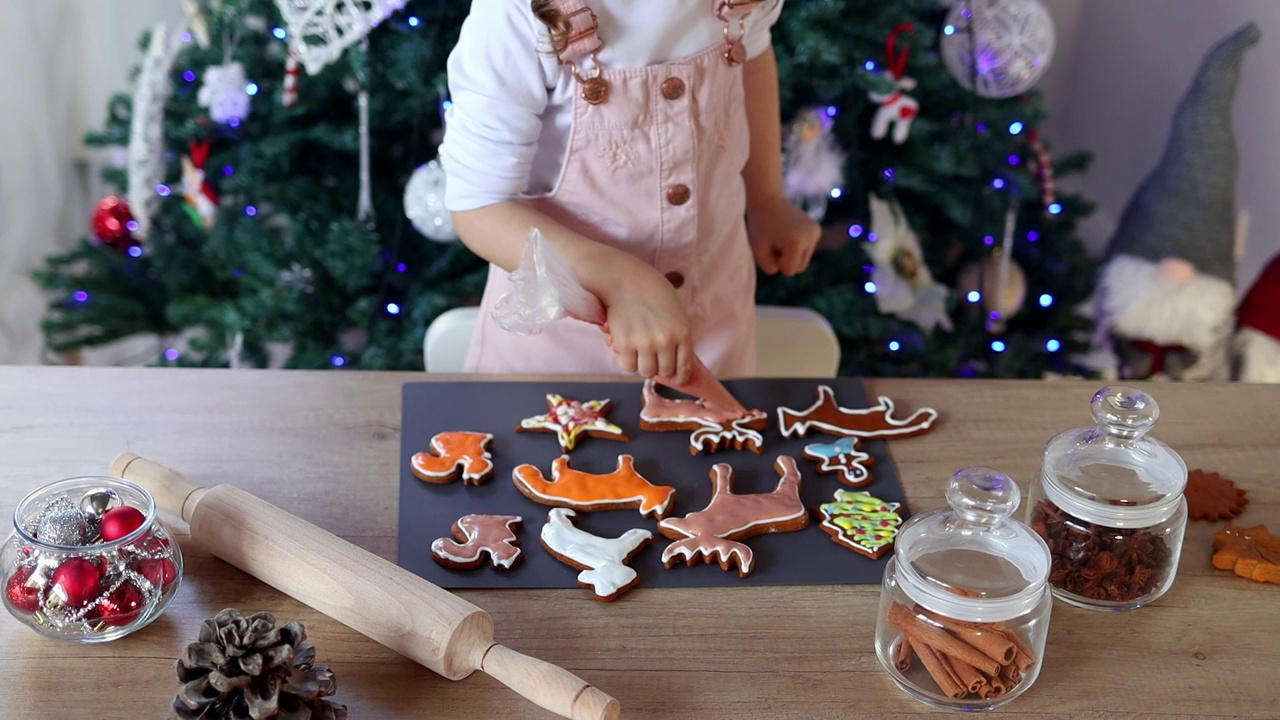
(642, 139)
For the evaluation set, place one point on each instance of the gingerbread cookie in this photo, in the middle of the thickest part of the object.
(860, 522)
(570, 419)
(712, 532)
(1252, 553)
(603, 561)
(714, 427)
(874, 422)
(455, 454)
(1213, 497)
(622, 489)
(844, 459)
(478, 536)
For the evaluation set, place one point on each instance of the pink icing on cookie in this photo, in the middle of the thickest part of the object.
(493, 535)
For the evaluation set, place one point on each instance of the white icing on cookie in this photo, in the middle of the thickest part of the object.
(604, 557)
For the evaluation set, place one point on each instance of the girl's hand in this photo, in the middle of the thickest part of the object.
(646, 324)
(783, 236)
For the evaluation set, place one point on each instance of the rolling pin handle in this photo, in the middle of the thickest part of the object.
(549, 686)
(173, 492)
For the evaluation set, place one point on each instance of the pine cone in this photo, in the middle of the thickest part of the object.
(247, 669)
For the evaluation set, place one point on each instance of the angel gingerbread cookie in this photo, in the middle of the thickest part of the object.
(571, 419)
(714, 532)
(454, 455)
(478, 536)
(622, 489)
(603, 561)
(877, 421)
(860, 522)
(714, 427)
(843, 459)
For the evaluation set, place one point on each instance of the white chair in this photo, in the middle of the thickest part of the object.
(790, 342)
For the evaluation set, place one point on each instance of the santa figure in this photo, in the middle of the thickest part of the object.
(1166, 292)
(1258, 337)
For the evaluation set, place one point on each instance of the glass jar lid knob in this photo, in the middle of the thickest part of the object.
(1124, 412)
(982, 495)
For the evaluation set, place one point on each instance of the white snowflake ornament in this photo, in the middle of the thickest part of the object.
(224, 93)
(321, 30)
(904, 287)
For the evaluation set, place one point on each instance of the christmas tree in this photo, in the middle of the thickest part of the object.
(260, 233)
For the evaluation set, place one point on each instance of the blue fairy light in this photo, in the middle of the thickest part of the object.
(189, 76)
(948, 29)
(1014, 160)
(998, 183)
(1046, 300)
(894, 346)
(135, 251)
(1032, 236)
(870, 65)
(832, 111)
(251, 89)
(855, 230)
(132, 225)
(279, 33)
(988, 240)
(1055, 209)
(1053, 345)
(998, 346)
(228, 170)
(973, 296)
(163, 190)
(414, 21)
(1015, 128)
(81, 296)
(337, 361)
(171, 354)
(250, 210)
(837, 192)
(401, 267)
(393, 308)
(870, 287)
(872, 237)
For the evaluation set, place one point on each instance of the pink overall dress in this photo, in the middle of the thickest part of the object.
(654, 170)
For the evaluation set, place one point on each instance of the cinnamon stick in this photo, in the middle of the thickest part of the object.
(1010, 675)
(938, 670)
(968, 676)
(1023, 657)
(987, 691)
(997, 684)
(993, 644)
(922, 633)
(902, 655)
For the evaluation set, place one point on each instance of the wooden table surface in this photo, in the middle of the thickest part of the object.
(325, 446)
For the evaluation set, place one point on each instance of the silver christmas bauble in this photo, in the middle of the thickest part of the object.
(1012, 44)
(424, 203)
(98, 501)
(62, 523)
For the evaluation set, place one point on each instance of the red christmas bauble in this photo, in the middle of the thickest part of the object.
(122, 606)
(160, 572)
(110, 223)
(76, 581)
(18, 595)
(119, 522)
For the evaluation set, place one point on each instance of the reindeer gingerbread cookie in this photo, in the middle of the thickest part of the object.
(603, 561)
(877, 421)
(714, 427)
(454, 455)
(622, 489)
(713, 532)
(478, 536)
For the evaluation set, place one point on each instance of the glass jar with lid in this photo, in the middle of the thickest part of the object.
(965, 602)
(1109, 503)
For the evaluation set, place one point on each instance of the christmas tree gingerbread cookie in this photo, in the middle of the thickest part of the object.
(860, 522)
(571, 419)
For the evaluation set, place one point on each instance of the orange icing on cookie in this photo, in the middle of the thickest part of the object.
(580, 490)
(454, 453)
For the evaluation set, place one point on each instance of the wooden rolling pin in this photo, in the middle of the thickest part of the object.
(389, 604)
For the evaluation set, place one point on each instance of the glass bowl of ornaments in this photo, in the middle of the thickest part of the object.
(87, 561)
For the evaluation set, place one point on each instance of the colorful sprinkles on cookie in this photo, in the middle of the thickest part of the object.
(569, 419)
(861, 522)
(842, 458)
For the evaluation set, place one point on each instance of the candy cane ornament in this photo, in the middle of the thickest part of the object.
(292, 68)
(897, 108)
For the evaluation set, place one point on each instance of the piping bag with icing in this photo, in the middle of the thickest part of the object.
(544, 291)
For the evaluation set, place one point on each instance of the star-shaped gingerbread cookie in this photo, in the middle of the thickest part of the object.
(569, 419)
(1213, 497)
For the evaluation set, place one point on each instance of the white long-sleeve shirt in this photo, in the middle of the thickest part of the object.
(512, 101)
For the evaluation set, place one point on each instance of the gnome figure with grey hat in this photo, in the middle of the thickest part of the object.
(1166, 291)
